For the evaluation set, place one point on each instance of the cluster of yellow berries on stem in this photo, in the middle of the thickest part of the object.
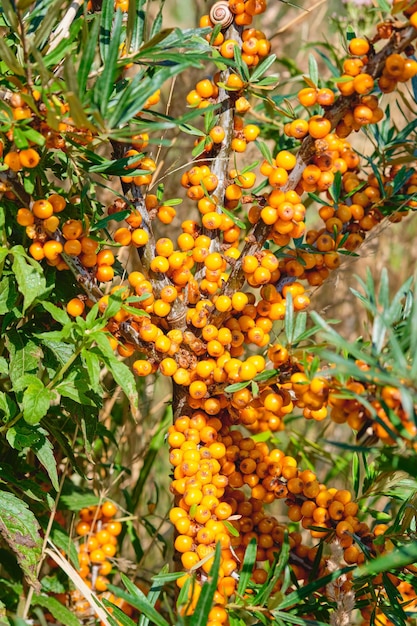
(97, 533)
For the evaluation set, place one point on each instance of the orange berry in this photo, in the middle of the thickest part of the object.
(12, 160)
(42, 209)
(72, 229)
(307, 96)
(319, 127)
(363, 83)
(358, 46)
(75, 307)
(29, 158)
(25, 217)
(52, 249)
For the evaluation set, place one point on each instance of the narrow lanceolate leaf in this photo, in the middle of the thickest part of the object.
(57, 609)
(121, 373)
(397, 558)
(9, 59)
(205, 601)
(105, 84)
(36, 401)
(107, 13)
(135, 25)
(122, 618)
(45, 453)
(313, 69)
(29, 275)
(246, 571)
(88, 57)
(138, 600)
(20, 529)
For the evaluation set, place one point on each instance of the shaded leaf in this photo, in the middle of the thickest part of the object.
(20, 529)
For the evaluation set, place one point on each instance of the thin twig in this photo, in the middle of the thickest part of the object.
(62, 30)
(297, 19)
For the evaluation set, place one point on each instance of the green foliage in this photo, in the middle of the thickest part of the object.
(75, 423)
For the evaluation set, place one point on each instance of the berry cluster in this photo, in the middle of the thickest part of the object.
(97, 531)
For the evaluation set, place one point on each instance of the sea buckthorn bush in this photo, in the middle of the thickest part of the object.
(187, 436)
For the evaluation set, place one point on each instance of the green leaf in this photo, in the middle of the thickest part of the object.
(58, 610)
(25, 355)
(36, 401)
(107, 13)
(20, 529)
(105, 83)
(262, 68)
(157, 22)
(116, 217)
(88, 55)
(44, 30)
(296, 597)
(155, 592)
(135, 25)
(139, 601)
(9, 59)
(7, 406)
(274, 575)
(246, 570)
(29, 275)
(233, 217)
(116, 612)
(399, 557)
(20, 139)
(205, 601)
(74, 498)
(92, 364)
(265, 375)
(236, 386)
(299, 326)
(10, 14)
(45, 452)
(121, 372)
(313, 69)
(33, 136)
(58, 314)
(153, 448)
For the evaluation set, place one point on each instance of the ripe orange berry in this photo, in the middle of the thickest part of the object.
(29, 158)
(251, 132)
(139, 237)
(42, 209)
(205, 88)
(358, 46)
(217, 134)
(114, 528)
(12, 160)
(123, 236)
(197, 389)
(142, 367)
(325, 97)
(75, 307)
(319, 127)
(52, 249)
(25, 217)
(307, 96)
(298, 128)
(363, 83)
